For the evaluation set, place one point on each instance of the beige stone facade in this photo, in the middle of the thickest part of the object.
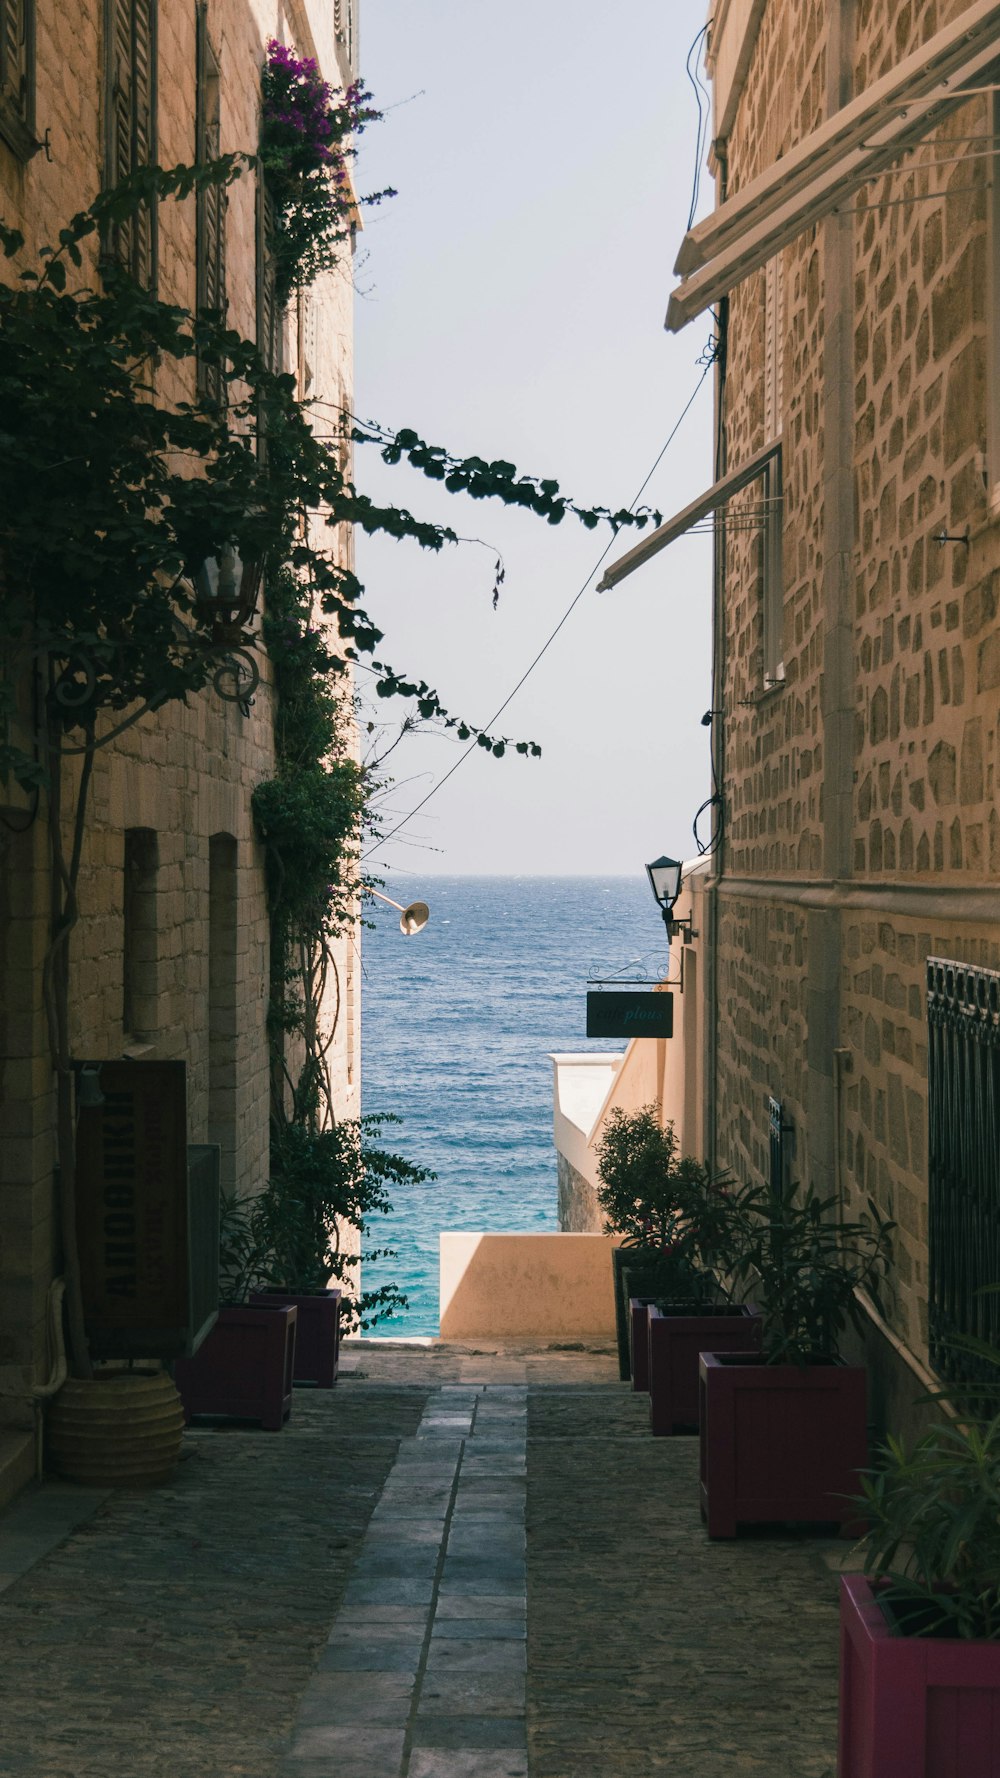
(857, 637)
(860, 825)
(171, 844)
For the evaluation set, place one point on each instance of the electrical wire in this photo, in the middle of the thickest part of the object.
(473, 746)
(700, 91)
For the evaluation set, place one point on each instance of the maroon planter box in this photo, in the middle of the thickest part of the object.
(244, 1368)
(780, 1442)
(676, 1337)
(913, 1706)
(317, 1336)
(638, 1310)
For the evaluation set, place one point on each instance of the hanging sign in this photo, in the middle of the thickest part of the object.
(630, 1014)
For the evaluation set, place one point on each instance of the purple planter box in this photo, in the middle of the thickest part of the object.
(779, 1442)
(317, 1336)
(638, 1310)
(244, 1368)
(676, 1338)
(913, 1706)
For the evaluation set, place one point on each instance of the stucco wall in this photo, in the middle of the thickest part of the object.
(500, 1286)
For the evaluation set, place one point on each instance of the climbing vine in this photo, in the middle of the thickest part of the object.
(113, 495)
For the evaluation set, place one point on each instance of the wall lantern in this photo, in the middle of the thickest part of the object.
(665, 881)
(411, 919)
(226, 589)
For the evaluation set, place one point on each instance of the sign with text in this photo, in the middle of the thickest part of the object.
(132, 1208)
(626, 1013)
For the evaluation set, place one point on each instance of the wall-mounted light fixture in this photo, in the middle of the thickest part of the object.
(411, 919)
(665, 881)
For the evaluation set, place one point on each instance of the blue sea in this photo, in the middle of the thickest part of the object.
(458, 1022)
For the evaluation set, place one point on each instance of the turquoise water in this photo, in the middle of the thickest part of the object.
(457, 1026)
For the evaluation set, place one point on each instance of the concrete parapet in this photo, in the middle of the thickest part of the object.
(511, 1286)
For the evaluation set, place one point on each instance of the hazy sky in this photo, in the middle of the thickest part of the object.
(511, 304)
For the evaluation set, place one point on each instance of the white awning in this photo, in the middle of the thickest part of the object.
(826, 167)
(714, 497)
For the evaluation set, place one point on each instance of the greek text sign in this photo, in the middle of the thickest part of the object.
(630, 1014)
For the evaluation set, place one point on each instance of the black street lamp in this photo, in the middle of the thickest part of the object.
(665, 881)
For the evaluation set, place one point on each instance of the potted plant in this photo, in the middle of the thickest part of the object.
(784, 1434)
(920, 1628)
(640, 1176)
(245, 1366)
(711, 1215)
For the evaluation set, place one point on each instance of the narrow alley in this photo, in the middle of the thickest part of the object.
(457, 1564)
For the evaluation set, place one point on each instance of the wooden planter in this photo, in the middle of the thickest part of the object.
(638, 1314)
(780, 1442)
(676, 1338)
(638, 1271)
(244, 1369)
(116, 1430)
(913, 1706)
(317, 1334)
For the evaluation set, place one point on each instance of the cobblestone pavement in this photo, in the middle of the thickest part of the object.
(347, 1599)
(172, 1634)
(651, 1649)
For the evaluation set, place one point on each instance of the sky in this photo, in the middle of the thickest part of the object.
(510, 305)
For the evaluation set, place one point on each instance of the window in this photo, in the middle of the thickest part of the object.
(222, 1009)
(130, 127)
(268, 317)
(210, 249)
(774, 345)
(772, 575)
(17, 76)
(993, 279)
(963, 1107)
(140, 1013)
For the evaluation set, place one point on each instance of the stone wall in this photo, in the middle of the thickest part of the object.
(186, 774)
(824, 930)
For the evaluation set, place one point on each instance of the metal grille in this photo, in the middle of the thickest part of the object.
(776, 1130)
(963, 1079)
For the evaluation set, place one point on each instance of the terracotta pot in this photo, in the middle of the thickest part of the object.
(677, 1335)
(913, 1706)
(244, 1368)
(118, 1430)
(780, 1442)
(317, 1333)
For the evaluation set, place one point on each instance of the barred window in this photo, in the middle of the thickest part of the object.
(210, 250)
(17, 76)
(130, 127)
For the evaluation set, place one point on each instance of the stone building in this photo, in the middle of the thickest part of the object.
(170, 959)
(849, 934)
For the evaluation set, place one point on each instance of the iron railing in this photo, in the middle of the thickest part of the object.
(963, 1092)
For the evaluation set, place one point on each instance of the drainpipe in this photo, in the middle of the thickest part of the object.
(718, 728)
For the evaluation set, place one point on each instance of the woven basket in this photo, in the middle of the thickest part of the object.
(121, 1429)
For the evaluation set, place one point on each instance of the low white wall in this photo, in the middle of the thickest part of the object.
(497, 1286)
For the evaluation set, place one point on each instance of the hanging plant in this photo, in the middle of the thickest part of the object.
(308, 134)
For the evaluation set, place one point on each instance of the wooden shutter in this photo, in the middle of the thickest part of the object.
(210, 274)
(13, 51)
(17, 77)
(130, 133)
(144, 151)
(267, 305)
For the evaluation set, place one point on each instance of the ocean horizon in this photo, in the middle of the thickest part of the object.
(458, 1025)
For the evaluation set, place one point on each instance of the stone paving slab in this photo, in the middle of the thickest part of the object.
(356, 1597)
(196, 1611)
(651, 1649)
